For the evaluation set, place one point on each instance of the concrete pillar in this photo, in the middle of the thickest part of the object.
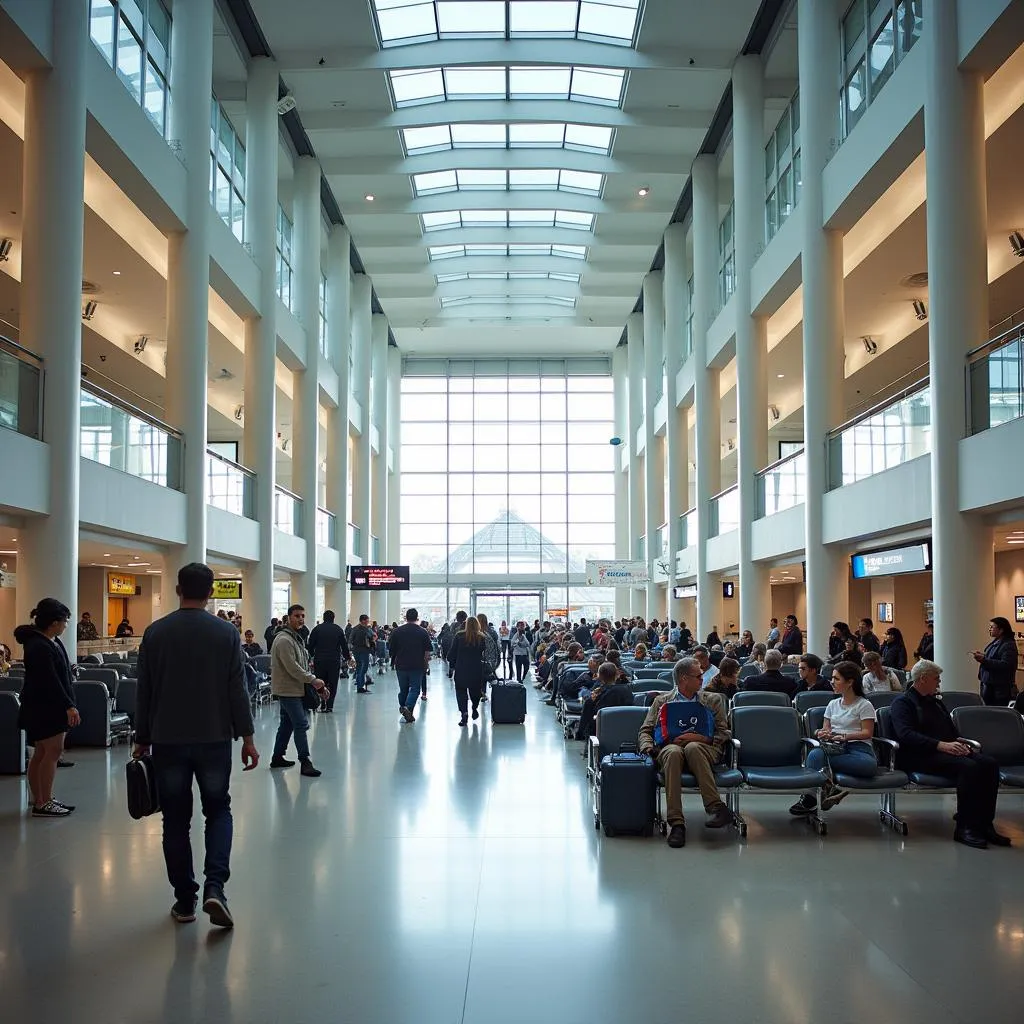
(397, 600)
(818, 39)
(654, 477)
(379, 475)
(339, 299)
(751, 331)
(707, 398)
(305, 390)
(621, 413)
(963, 560)
(260, 396)
(635, 366)
(53, 205)
(361, 342)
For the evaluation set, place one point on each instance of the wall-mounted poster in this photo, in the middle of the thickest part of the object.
(1018, 608)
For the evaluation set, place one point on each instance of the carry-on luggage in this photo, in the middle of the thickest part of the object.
(628, 782)
(140, 786)
(508, 703)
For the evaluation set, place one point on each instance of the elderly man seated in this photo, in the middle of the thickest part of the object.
(929, 743)
(772, 678)
(694, 751)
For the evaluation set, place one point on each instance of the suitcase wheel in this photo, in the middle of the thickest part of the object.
(609, 832)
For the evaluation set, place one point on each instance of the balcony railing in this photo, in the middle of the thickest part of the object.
(355, 540)
(374, 550)
(116, 434)
(995, 379)
(782, 485)
(725, 512)
(661, 541)
(21, 379)
(884, 436)
(687, 529)
(641, 548)
(326, 528)
(229, 486)
(287, 512)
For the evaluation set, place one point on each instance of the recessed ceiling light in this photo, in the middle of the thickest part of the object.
(780, 375)
(643, 191)
(369, 197)
(106, 554)
(117, 273)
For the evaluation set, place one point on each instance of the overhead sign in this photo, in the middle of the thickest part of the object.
(227, 590)
(379, 577)
(681, 593)
(556, 613)
(616, 574)
(120, 584)
(891, 561)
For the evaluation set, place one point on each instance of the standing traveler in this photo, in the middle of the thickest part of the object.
(997, 664)
(792, 641)
(192, 705)
(466, 664)
(269, 633)
(47, 702)
(363, 643)
(410, 649)
(866, 632)
(583, 636)
(521, 652)
(894, 650)
(773, 633)
(289, 677)
(492, 652)
(329, 650)
(926, 648)
(504, 634)
(250, 647)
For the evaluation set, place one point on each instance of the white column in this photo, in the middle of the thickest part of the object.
(361, 342)
(819, 45)
(635, 363)
(339, 299)
(53, 207)
(379, 475)
(188, 264)
(260, 426)
(707, 398)
(396, 599)
(621, 412)
(676, 454)
(751, 331)
(305, 389)
(962, 577)
(654, 477)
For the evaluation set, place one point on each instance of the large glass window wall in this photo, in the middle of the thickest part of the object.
(284, 257)
(782, 173)
(227, 171)
(726, 257)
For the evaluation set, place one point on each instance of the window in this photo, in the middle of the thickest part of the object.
(134, 37)
(689, 319)
(447, 301)
(726, 257)
(877, 35)
(510, 275)
(227, 171)
(448, 252)
(579, 182)
(322, 303)
(782, 169)
(448, 219)
(470, 135)
(284, 257)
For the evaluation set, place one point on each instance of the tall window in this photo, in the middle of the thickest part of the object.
(726, 257)
(227, 171)
(284, 257)
(134, 37)
(782, 169)
(689, 319)
(322, 302)
(877, 35)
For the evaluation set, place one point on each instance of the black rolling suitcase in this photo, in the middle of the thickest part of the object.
(628, 782)
(508, 703)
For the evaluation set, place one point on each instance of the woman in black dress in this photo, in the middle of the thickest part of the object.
(466, 664)
(47, 702)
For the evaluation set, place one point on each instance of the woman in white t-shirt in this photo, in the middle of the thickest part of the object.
(849, 719)
(878, 678)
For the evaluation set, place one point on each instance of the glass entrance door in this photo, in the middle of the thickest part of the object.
(509, 606)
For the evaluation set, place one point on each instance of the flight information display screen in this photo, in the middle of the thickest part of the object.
(378, 577)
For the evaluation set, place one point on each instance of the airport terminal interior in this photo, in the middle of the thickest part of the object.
(708, 313)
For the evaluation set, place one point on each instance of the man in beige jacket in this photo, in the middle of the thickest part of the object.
(289, 677)
(691, 752)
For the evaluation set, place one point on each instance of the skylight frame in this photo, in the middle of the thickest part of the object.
(511, 299)
(450, 220)
(508, 275)
(513, 250)
(567, 135)
(461, 179)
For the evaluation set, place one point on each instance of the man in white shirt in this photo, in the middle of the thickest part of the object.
(708, 671)
(773, 634)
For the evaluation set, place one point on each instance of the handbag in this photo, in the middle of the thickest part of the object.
(143, 798)
(310, 698)
(833, 748)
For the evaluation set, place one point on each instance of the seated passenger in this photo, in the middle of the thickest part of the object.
(850, 720)
(878, 678)
(707, 669)
(771, 679)
(639, 658)
(811, 676)
(929, 743)
(612, 691)
(669, 653)
(693, 752)
(250, 647)
(745, 647)
(725, 681)
(579, 687)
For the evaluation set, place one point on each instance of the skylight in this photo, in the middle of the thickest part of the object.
(447, 252)
(447, 301)
(477, 180)
(437, 85)
(511, 275)
(471, 135)
(400, 22)
(448, 219)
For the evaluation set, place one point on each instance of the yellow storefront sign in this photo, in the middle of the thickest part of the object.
(227, 590)
(120, 584)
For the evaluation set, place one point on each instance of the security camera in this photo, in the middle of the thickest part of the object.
(285, 104)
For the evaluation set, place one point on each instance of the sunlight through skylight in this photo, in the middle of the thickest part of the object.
(509, 275)
(485, 180)
(447, 301)
(471, 135)
(449, 219)
(448, 252)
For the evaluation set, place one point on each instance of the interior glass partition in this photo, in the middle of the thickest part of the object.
(782, 485)
(21, 378)
(995, 377)
(229, 486)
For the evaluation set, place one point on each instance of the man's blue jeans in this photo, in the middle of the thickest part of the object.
(859, 760)
(175, 766)
(362, 664)
(409, 684)
(293, 720)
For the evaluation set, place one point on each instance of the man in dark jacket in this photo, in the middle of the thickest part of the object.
(409, 647)
(268, 633)
(929, 743)
(926, 648)
(868, 640)
(362, 643)
(583, 636)
(329, 650)
(810, 677)
(997, 664)
(771, 679)
(192, 703)
(792, 641)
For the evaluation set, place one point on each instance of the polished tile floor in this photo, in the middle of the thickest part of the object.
(437, 874)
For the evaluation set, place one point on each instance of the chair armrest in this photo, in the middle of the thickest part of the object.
(809, 745)
(888, 748)
(593, 749)
(973, 744)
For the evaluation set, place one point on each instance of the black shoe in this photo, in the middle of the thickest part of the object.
(476, 714)
(184, 911)
(677, 836)
(61, 763)
(407, 714)
(997, 838)
(720, 818)
(215, 906)
(326, 711)
(362, 689)
(969, 837)
(308, 770)
(281, 762)
(423, 696)
(462, 721)
(831, 795)
(807, 804)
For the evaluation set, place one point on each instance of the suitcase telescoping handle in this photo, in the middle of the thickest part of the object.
(628, 748)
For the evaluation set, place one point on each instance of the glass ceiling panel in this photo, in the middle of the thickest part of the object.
(475, 135)
(543, 17)
(400, 21)
(471, 83)
(603, 84)
(481, 179)
(417, 86)
(511, 275)
(549, 81)
(444, 220)
(608, 20)
(471, 18)
(465, 136)
(500, 300)
(533, 179)
(496, 180)
(424, 140)
(445, 252)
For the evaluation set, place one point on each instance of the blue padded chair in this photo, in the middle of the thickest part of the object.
(770, 755)
(262, 663)
(93, 701)
(1000, 731)
(803, 702)
(648, 673)
(11, 684)
(12, 739)
(613, 727)
(882, 699)
(107, 674)
(790, 670)
(114, 658)
(761, 699)
(646, 685)
(954, 699)
(127, 698)
(921, 780)
(749, 669)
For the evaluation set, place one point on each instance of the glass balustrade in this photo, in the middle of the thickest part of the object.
(374, 550)
(688, 529)
(725, 512)
(287, 512)
(21, 378)
(661, 541)
(326, 528)
(782, 485)
(229, 486)
(117, 435)
(883, 437)
(355, 540)
(641, 548)
(995, 377)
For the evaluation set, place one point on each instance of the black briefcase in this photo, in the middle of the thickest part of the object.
(143, 798)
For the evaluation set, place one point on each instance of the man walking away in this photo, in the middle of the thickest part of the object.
(289, 677)
(583, 636)
(192, 704)
(410, 654)
(362, 643)
(329, 650)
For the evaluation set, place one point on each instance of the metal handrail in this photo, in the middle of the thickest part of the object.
(688, 511)
(722, 494)
(913, 389)
(230, 462)
(19, 351)
(120, 403)
(778, 463)
(997, 342)
(287, 493)
(326, 512)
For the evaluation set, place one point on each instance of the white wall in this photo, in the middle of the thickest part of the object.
(119, 503)
(25, 481)
(894, 500)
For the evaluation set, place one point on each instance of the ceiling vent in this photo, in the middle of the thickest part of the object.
(223, 374)
(916, 280)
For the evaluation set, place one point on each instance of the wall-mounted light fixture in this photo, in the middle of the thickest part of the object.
(920, 310)
(6, 244)
(1016, 244)
(90, 310)
(870, 345)
(773, 411)
(140, 344)
(239, 412)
